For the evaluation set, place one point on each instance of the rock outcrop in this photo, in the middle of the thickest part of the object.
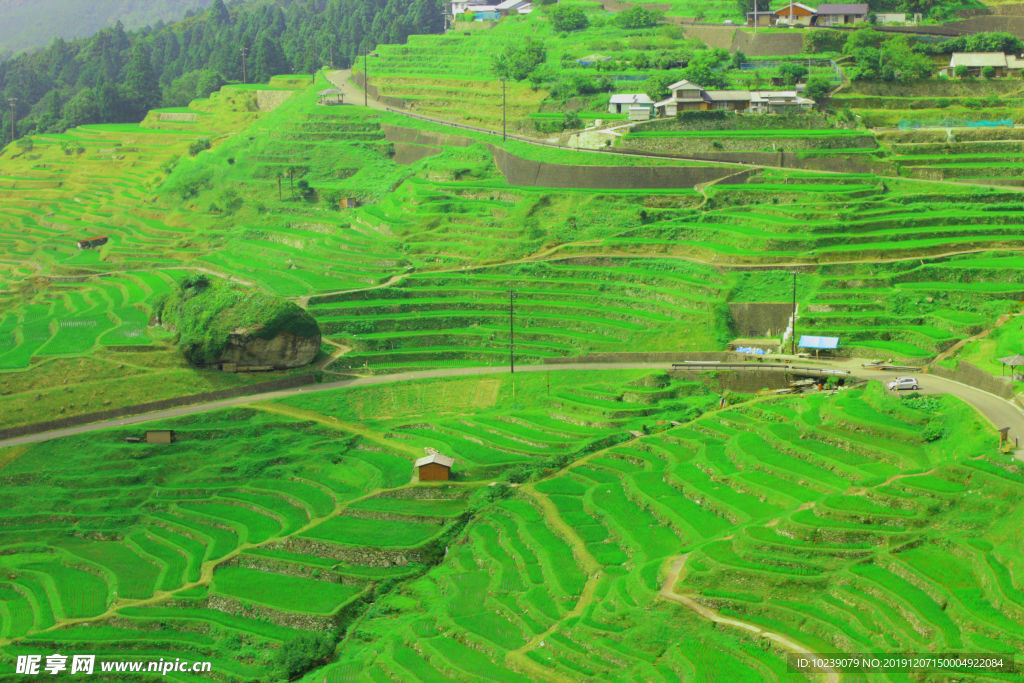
(283, 350)
(223, 324)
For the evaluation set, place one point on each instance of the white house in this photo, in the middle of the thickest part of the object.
(841, 14)
(794, 13)
(687, 96)
(975, 62)
(463, 6)
(622, 104)
(513, 7)
(778, 102)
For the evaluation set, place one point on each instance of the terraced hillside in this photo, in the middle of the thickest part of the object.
(814, 517)
(257, 525)
(817, 519)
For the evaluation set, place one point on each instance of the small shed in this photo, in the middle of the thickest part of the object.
(640, 112)
(434, 466)
(348, 203)
(818, 343)
(159, 436)
(92, 242)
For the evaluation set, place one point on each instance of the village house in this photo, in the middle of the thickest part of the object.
(687, 96)
(794, 14)
(514, 7)
(897, 18)
(764, 17)
(842, 14)
(1002, 64)
(621, 104)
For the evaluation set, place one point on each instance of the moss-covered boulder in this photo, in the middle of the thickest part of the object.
(222, 323)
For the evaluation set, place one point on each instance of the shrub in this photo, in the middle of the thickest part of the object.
(791, 72)
(961, 71)
(517, 61)
(933, 431)
(302, 653)
(637, 17)
(988, 71)
(568, 18)
(198, 146)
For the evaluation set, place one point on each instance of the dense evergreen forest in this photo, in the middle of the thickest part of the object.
(31, 24)
(116, 75)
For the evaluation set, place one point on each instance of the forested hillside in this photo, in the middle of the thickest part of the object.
(117, 75)
(28, 24)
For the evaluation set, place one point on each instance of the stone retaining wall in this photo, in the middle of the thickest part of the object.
(972, 375)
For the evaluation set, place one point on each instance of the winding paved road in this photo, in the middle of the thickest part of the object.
(999, 412)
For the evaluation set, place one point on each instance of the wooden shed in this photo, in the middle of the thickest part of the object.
(434, 466)
(159, 436)
(92, 242)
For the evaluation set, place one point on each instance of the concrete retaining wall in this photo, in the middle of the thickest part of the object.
(972, 375)
(760, 319)
(519, 171)
(86, 418)
(526, 172)
(406, 153)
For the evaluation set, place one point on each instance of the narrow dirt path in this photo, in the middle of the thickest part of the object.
(590, 566)
(206, 571)
(785, 642)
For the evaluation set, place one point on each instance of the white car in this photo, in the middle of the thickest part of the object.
(903, 383)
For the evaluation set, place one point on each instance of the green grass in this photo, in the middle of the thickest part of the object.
(291, 593)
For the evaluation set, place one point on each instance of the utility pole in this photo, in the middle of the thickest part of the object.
(512, 340)
(792, 347)
(755, 17)
(245, 77)
(503, 109)
(279, 197)
(511, 332)
(12, 101)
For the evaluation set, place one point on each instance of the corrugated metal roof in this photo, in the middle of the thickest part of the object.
(729, 95)
(631, 99)
(843, 8)
(433, 457)
(977, 59)
(808, 342)
(784, 10)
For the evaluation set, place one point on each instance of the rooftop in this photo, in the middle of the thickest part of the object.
(977, 59)
(433, 457)
(843, 8)
(631, 99)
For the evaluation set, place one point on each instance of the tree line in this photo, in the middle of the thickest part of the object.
(117, 75)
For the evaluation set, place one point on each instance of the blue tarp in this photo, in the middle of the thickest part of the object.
(807, 342)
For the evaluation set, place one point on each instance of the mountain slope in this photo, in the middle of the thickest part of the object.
(25, 24)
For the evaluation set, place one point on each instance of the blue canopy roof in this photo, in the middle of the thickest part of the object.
(807, 342)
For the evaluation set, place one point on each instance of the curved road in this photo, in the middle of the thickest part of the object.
(999, 412)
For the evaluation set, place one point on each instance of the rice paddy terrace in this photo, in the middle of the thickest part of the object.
(596, 519)
(819, 518)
